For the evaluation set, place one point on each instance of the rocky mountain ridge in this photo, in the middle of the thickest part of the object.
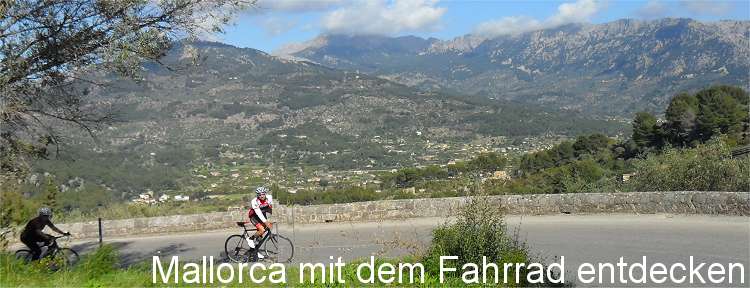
(612, 69)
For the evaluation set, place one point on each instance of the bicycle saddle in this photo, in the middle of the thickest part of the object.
(241, 224)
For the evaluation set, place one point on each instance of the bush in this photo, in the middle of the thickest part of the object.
(101, 262)
(708, 167)
(331, 196)
(96, 269)
(478, 231)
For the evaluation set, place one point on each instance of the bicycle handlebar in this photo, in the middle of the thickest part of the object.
(63, 236)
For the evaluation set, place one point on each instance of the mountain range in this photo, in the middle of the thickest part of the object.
(350, 102)
(612, 69)
(208, 90)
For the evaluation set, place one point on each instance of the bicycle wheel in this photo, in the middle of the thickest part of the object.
(237, 248)
(64, 258)
(70, 256)
(278, 249)
(24, 255)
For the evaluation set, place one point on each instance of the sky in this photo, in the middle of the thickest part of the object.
(272, 24)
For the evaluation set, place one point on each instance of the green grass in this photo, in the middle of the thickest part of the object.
(97, 270)
(17, 274)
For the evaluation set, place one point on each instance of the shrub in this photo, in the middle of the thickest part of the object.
(478, 231)
(101, 262)
(708, 167)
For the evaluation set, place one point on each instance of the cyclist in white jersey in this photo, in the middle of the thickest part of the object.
(261, 205)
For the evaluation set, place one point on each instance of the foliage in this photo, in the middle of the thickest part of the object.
(692, 119)
(646, 132)
(478, 231)
(99, 268)
(594, 163)
(566, 152)
(102, 261)
(48, 50)
(410, 177)
(487, 163)
(518, 120)
(708, 167)
(50, 199)
(14, 211)
(345, 195)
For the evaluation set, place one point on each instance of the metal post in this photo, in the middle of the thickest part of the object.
(100, 232)
(294, 231)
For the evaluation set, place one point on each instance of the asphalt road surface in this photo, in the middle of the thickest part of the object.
(580, 238)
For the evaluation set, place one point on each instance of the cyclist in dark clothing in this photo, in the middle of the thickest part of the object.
(32, 233)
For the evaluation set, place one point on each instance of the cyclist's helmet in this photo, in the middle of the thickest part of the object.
(262, 190)
(45, 211)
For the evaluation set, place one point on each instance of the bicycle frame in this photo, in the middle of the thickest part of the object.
(265, 235)
(263, 238)
(52, 248)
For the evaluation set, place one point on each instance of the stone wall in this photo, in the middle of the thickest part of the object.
(715, 203)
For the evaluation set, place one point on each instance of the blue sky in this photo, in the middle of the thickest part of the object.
(275, 23)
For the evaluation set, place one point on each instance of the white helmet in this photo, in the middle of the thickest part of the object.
(262, 190)
(46, 211)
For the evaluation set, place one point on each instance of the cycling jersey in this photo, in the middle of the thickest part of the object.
(259, 207)
(34, 227)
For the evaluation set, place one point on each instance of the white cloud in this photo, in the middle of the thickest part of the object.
(381, 17)
(652, 9)
(574, 12)
(702, 7)
(507, 26)
(579, 11)
(275, 26)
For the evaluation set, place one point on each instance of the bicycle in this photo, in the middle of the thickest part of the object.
(59, 257)
(273, 246)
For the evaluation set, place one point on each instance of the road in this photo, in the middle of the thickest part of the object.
(580, 238)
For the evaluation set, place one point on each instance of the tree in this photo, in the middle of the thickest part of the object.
(694, 118)
(488, 162)
(646, 132)
(563, 152)
(590, 144)
(323, 183)
(49, 50)
(50, 197)
(720, 112)
(681, 119)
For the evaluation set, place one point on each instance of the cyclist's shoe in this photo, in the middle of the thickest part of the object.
(260, 256)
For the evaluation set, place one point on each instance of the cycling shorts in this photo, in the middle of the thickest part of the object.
(256, 221)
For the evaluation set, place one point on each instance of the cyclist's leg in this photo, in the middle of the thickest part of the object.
(258, 225)
(31, 242)
(48, 240)
(256, 221)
